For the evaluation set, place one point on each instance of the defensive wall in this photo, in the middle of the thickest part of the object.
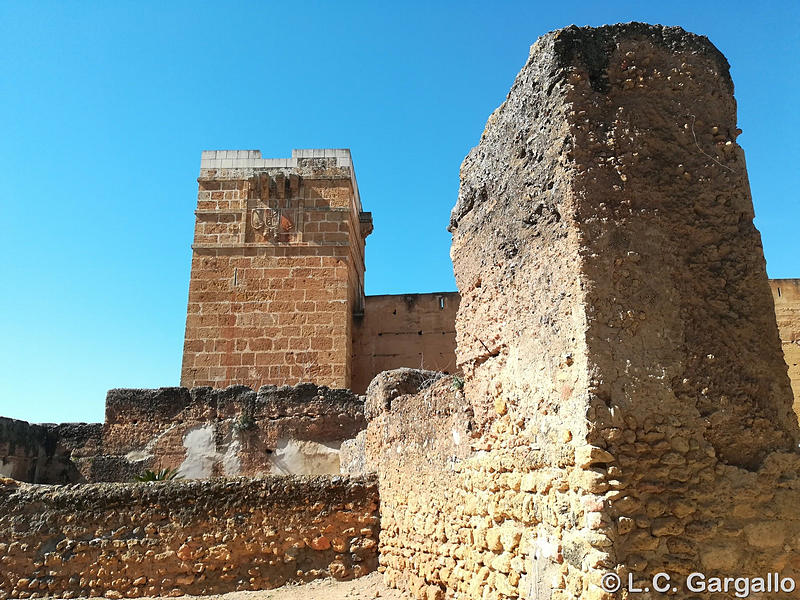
(149, 428)
(202, 432)
(184, 537)
(621, 407)
(405, 330)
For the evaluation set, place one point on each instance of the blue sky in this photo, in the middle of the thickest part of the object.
(105, 108)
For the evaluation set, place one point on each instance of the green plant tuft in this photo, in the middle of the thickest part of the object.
(457, 383)
(162, 475)
(244, 423)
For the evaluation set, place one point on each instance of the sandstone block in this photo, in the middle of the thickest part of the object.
(666, 526)
(765, 534)
(588, 456)
(722, 558)
(320, 543)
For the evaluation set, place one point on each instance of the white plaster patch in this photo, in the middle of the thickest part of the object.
(456, 437)
(546, 548)
(201, 453)
(295, 457)
(231, 465)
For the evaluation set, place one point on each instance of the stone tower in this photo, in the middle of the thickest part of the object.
(277, 270)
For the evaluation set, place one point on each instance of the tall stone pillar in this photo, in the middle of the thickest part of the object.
(616, 316)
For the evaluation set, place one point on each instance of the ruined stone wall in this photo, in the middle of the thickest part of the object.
(405, 330)
(48, 453)
(205, 432)
(625, 408)
(461, 513)
(175, 538)
(277, 270)
(202, 432)
(786, 295)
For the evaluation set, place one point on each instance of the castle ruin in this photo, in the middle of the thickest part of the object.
(621, 412)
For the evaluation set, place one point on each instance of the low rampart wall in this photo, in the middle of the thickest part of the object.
(47, 453)
(183, 537)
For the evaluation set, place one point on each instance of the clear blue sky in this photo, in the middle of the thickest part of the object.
(106, 106)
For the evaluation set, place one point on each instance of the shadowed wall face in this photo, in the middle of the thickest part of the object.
(48, 453)
(786, 294)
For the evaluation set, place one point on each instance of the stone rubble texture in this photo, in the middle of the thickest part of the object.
(175, 538)
(626, 405)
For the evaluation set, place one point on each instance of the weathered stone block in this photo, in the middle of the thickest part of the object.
(616, 333)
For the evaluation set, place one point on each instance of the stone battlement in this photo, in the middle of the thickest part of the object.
(251, 159)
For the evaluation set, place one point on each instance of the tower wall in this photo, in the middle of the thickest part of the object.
(786, 294)
(277, 270)
(404, 330)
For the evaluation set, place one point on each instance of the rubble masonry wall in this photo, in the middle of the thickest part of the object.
(174, 538)
(626, 408)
